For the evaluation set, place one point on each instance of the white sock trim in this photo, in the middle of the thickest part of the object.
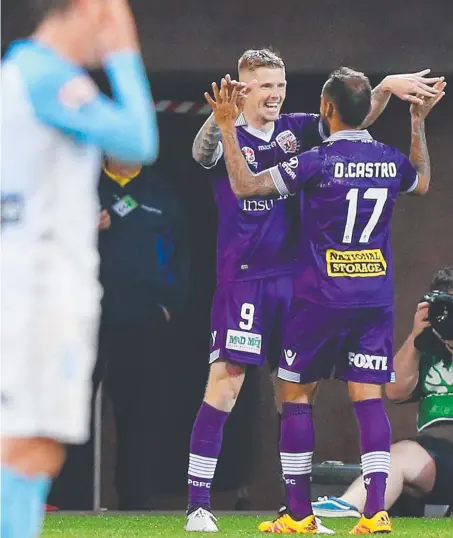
(202, 466)
(296, 464)
(375, 462)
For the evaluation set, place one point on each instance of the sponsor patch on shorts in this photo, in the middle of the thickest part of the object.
(355, 263)
(244, 341)
(367, 362)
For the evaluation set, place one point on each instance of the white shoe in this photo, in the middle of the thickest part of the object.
(201, 520)
(322, 529)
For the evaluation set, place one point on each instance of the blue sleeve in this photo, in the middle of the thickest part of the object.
(293, 175)
(124, 128)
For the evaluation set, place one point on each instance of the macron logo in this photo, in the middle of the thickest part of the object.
(290, 356)
(213, 337)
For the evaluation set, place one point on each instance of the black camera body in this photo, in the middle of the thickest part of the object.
(440, 315)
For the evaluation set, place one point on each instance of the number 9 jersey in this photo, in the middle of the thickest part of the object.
(350, 186)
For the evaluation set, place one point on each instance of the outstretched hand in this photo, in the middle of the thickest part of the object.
(426, 104)
(413, 87)
(228, 102)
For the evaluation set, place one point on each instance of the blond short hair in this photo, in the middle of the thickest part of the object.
(252, 59)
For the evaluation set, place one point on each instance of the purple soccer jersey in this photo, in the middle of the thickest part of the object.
(259, 237)
(350, 185)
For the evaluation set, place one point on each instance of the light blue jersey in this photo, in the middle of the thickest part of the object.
(56, 125)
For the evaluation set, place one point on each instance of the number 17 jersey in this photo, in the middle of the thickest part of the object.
(350, 186)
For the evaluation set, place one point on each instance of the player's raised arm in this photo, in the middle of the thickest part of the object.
(207, 147)
(124, 127)
(419, 155)
(408, 87)
(227, 105)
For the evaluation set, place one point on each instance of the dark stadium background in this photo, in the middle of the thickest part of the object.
(187, 45)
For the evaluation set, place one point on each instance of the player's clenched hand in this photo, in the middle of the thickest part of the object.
(426, 104)
(227, 104)
(119, 31)
(410, 87)
(421, 319)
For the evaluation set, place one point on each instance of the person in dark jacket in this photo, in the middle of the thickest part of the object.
(144, 252)
(144, 271)
(145, 275)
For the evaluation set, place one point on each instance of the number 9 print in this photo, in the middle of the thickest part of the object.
(247, 315)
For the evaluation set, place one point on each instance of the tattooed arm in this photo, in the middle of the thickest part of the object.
(244, 183)
(419, 156)
(410, 87)
(206, 147)
(285, 179)
(380, 97)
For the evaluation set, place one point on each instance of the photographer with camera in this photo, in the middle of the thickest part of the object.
(423, 466)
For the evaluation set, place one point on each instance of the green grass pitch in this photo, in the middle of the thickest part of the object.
(105, 526)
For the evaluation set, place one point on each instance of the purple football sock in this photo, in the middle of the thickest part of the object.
(375, 440)
(296, 451)
(205, 445)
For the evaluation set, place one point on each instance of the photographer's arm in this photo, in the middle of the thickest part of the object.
(406, 363)
(407, 360)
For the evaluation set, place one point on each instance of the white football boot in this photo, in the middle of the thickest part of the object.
(201, 520)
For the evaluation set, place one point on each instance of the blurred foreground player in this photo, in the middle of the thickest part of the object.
(55, 126)
(341, 318)
(257, 247)
(420, 468)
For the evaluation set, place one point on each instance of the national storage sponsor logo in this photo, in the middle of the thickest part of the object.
(355, 263)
